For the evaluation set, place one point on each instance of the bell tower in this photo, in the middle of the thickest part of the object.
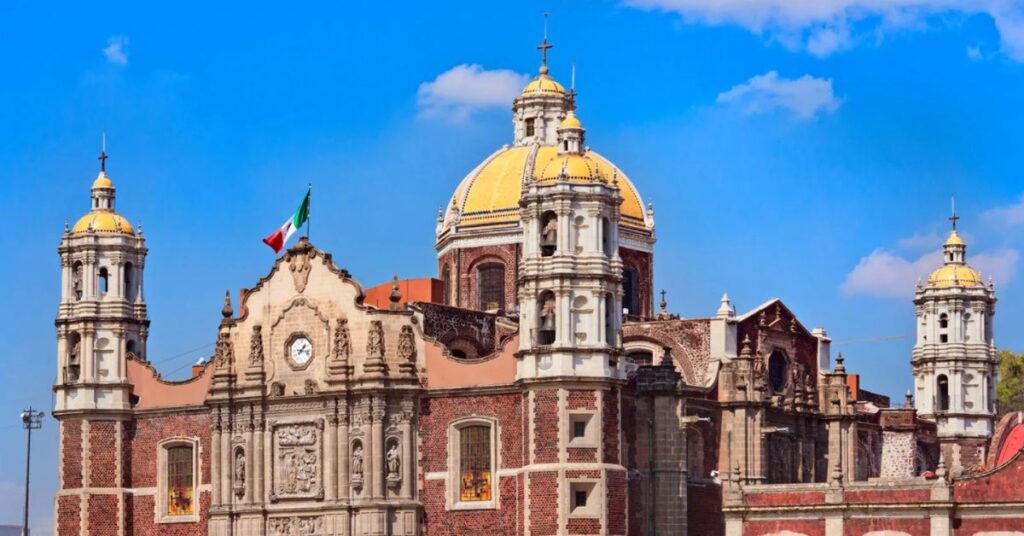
(101, 319)
(954, 358)
(570, 303)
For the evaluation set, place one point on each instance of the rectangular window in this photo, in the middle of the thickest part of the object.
(529, 127)
(475, 463)
(579, 429)
(491, 287)
(579, 498)
(180, 485)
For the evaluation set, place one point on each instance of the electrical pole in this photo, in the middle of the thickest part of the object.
(31, 420)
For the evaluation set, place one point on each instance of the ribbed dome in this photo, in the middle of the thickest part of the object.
(103, 221)
(955, 275)
(543, 85)
(489, 196)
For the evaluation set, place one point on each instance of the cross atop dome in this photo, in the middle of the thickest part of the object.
(543, 47)
(953, 218)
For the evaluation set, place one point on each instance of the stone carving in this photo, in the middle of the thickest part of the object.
(296, 526)
(224, 354)
(277, 389)
(342, 341)
(256, 346)
(310, 526)
(310, 387)
(281, 526)
(299, 266)
(375, 342)
(239, 473)
(297, 461)
(407, 346)
(357, 463)
(393, 460)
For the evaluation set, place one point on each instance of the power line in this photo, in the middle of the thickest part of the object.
(875, 340)
(182, 354)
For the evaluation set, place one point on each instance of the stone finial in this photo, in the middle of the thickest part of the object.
(940, 471)
(664, 303)
(650, 215)
(67, 228)
(837, 474)
(396, 295)
(139, 229)
(666, 357)
(908, 402)
(440, 221)
(227, 311)
(840, 367)
(725, 309)
(746, 350)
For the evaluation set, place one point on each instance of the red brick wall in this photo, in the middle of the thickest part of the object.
(103, 454)
(146, 432)
(545, 425)
(463, 264)
(782, 498)
(436, 414)
(887, 496)
(643, 263)
(610, 417)
(139, 513)
(582, 455)
(581, 399)
(544, 502)
(1002, 484)
(810, 527)
(858, 526)
(616, 507)
(103, 515)
(583, 526)
(71, 466)
(969, 526)
(636, 453)
(69, 514)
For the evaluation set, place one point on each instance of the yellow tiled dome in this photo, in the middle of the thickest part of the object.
(102, 181)
(543, 85)
(571, 121)
(489, 196)
(103, 221)
(955, 275)
(954, 240)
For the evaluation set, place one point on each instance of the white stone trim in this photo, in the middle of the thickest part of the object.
(452, 493)
(161, 479)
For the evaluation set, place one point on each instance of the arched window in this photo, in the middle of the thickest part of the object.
(104, 281)
(631, 291)
(942, 392)
(777, 368)
(177, 497)
(74, 365)
(548, 234)
(129, 292)
(943, 321)
(547, 319)
(491, 287)
(446, 278)
(640, 357)
(473, 444)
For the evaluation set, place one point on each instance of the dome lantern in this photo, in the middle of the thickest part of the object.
(102, 218)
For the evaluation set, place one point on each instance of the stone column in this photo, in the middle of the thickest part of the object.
(408, 448)
(214, 457)
(225, 461)
(87, 355)
(331, 458)
(376, 465)
(343, 453)
(259, 439)
(266, 466)
(249, 463)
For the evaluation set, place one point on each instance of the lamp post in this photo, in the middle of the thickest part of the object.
(31, 420)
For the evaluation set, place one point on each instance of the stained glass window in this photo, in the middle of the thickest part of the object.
(491, 286)
(475, 463)
(180, 485)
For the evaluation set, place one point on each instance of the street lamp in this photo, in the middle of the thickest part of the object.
(31, 420)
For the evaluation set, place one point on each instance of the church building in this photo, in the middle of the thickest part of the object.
(530, 388)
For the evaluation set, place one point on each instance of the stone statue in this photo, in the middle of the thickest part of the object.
(342, 341)
(75, 350)
(549, 235)
(240, 473)
(375, 342)
(547, 315)
(394, 461)
(256, 346)
(224, 353)
(407, 345)
(357, 463)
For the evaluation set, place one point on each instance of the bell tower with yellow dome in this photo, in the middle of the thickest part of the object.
(954, 358)
(102, 317)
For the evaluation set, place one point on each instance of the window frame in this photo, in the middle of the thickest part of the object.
(591, 437)
(454, 496)
(480, 268)
(595, 498)
(160, 506)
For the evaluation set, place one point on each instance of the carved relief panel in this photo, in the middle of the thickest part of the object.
(297, 461)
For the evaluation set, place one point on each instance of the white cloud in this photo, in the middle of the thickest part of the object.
(115, 50)
(805, 97)
(974, 53)
(825, 26)
(886, 274)
(464, 89)
(921, 241)
(1006, 215)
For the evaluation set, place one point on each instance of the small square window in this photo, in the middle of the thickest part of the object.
(579, 429)
(580, 504)
(579, 498)
(943, 338)
(581, 432)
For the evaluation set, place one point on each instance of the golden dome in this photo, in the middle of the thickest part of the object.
(102, 181)
(542, 85)
(955, 275)
(571, 121)
(954, 239)
(103, 221)
(489, 196)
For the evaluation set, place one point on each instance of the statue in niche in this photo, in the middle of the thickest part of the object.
(549, 235)
(357, 463)
(342, 341)
(239, 473)
(76, 283)
(394, 462)
(224, 353)
(407, 345)
(547, 321)
(375, 342)
(256, 346)
(310, 387)
(277, 389)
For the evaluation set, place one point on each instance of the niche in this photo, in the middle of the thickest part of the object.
(547, 319)
(548, 234)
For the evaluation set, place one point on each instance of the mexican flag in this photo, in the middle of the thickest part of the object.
(278, 238)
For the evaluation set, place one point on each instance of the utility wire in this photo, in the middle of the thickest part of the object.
(875, 340)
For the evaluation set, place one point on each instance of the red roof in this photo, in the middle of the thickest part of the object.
(1014, 442)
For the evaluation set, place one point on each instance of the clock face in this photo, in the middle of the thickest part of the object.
(301, 351)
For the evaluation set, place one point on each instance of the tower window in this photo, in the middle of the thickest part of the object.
(609, 320)
(606, 237)
(180, 481)
(491, 287)
(547, 319)
(943, 321)
(548, 234)
(128, 293)
(630, 291)
(942, 385)
(104, 280)
(446, 278)
(530, 127)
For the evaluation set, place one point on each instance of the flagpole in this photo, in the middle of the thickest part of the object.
(308, 207)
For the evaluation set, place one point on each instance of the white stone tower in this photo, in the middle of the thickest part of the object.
(102, 315)
(954, 358)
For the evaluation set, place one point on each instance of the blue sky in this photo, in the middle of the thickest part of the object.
(799, 149)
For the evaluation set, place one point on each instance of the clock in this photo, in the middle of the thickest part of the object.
(301, 350)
